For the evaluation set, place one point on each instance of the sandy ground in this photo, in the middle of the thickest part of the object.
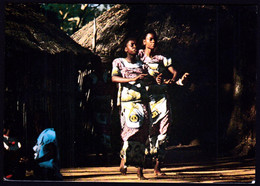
(183, 166)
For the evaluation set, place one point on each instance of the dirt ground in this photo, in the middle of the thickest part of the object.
(182, 165)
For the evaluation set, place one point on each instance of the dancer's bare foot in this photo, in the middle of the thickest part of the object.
(123, 168)
(159, 173)
(140, 174)
(157, 169)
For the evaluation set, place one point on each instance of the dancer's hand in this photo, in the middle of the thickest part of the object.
(168, 81)
(141, 76)
(185, 76)
(183, 79)
(159, 79)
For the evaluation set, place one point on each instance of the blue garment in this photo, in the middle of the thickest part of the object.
(46, 137)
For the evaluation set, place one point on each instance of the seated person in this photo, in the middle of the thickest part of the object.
(46, 156)
(13, 168)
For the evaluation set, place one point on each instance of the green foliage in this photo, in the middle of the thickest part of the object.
(72, 17)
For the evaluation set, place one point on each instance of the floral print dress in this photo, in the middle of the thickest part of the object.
(159, 105)
(134, 115)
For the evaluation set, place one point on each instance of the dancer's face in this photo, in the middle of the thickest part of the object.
(131, 47)
(149, 41)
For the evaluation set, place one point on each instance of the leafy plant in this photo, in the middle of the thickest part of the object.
(72, 17)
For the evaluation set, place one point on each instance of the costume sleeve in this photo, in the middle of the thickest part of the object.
(116, 66)
(167, 62)
(150, 71)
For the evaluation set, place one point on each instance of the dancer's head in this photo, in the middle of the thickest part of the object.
(130, 46)
(150, 39)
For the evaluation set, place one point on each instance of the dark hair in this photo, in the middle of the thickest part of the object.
(129, 39)
(150, 32)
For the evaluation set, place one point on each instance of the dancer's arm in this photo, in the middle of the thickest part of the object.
(173, 72)
(118, 79)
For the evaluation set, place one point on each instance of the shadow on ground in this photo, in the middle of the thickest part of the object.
(182, 165)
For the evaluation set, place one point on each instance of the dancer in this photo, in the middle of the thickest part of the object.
(159, 104)
(134, 115)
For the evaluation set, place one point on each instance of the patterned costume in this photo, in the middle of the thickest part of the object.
(134, 115)
(159, 105)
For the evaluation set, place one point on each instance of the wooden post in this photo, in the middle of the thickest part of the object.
(94, 35)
